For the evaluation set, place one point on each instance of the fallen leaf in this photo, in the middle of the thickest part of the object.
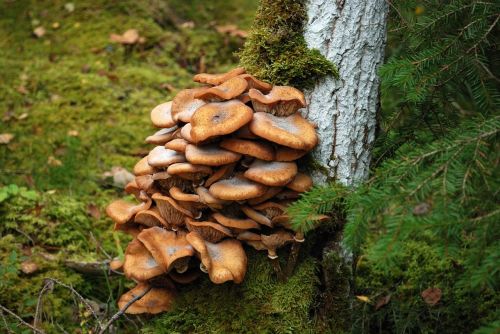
(85, 68)
(382, 301)
(24, 115)
(167, 87)
(22, 89)
(56, 25)
(51, 192)
(54, 98)
(187, 25)
(131, 36)
(52, 161)
(28, 267)
(432, 296)
(364, 299)
(231, 30)
(421, 209)
(73, 133)
(39, 32)
(93, 211)
(120, 176)
(5, 138)
(70, 7)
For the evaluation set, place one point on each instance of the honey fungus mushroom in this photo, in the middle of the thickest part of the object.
(155, 301)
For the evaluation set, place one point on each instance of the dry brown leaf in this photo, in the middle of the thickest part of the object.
(432, 296)
(130, 36)
(93, 211)
(6, 138)
(39, 32)
(24, 115)
(119, 175)
(364, 299)
(73, 133)
(382, 301)
(28, 267)
(52, 161)
(421, 209)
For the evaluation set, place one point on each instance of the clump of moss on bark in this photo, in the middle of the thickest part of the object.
(276, 49)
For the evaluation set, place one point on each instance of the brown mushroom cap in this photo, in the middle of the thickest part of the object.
(185, 104)
(224, 261)
(130, 228)
(272, 173)
(179, 195)
(301, 183)
(162, 157)
(237, 188)
(271, 209)
(121, 211)
(189, 171)
(133, 188)
(251, 148)
(210, 155)
(116, 264)
(209, 199)
(248, 236)
(150, 218)
(237, 223)
(219, 118)
(139, 264)
(228, 90)
(178, 144)
(168, 248)
(172, 212)
(270, 192)
(143, 168)
(184, 278)
(255, 83)
(145, 182)
(162, 136)
(281, 100)
(276, 240)
(293, 131)
(209, 231)
(186, 133)
(161, 115)
(245, 133)
(217, 79)
(256, 215)
(284, 153)
(157, 300)
(221, 173)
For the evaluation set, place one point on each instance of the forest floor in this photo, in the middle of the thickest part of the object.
(75, 106)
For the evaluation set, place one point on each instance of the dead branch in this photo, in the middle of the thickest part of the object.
(36, 330)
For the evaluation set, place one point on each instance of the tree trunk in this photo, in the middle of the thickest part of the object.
(351, 34)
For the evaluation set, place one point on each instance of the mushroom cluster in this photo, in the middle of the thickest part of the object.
(221, 175)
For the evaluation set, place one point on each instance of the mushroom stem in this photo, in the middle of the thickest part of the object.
(294, 253)
(275, 261)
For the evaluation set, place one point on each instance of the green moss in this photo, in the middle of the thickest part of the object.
(258, 305)
(420, 267)
(276, 50)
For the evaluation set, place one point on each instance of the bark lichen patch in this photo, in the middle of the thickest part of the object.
(276, 50)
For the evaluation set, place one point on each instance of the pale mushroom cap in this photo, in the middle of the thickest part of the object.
(217, 79)
(237, 223)
(225, 91)
(143, 167)
(185, 104)
(130, 36)
(237, 188)
(166, 247)
(145, 182)
(186, 133)
(224, 261)
(251, 148)
(139, 264)
(157, 300)
(255, 83)
(281, 100)
(178, 144)
(161, 115)
(210, 155)
(218, 119)
(284, 153)
(162, 157)
(272, 173)
(162, 136)
(209, 231)
(293, 131)
(301, 183)
(121, 211)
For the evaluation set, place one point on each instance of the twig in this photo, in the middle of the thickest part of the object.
(36, 330)
(5, 322)
(48, 285)
(122, 311)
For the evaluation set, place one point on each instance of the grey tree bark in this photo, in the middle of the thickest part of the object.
(351, 34)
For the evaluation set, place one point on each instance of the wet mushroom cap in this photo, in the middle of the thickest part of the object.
(217, 79)
(161, 115)
(251, 148)
(210, 155)
(185, 104)
(139, 264)
(221, 173)
(178, 144)
(218, 119)
(121, 211)
(281, 100)
(162, 157)
(143, 167)
(272, 173)
(161, 136)
(255, 83)
(256, 215)
(293, 131)
(181, 196)
(237, 188)
(284, 153)
(228, 90)
(209, 199)
(300, 183)
(186, 133)
(157, 300)
(166, 247)
(237, 223)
